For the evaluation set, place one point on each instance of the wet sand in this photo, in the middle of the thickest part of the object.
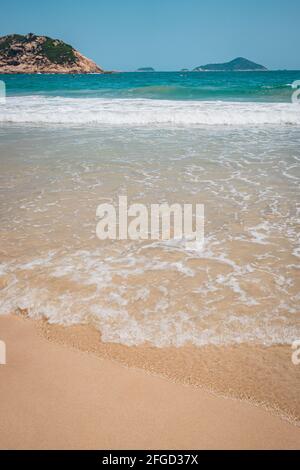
(57, 397)
(260, 375)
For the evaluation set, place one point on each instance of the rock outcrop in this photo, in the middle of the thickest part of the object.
(41, 54)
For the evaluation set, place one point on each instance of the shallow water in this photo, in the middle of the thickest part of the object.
(244, 285)
(223, 317)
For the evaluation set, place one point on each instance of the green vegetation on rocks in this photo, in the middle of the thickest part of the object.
(58, 51)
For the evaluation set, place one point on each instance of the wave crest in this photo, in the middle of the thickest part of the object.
(145, 112)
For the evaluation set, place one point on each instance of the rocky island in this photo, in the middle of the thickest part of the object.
(41, 54)
(146, 69)
(237, 65)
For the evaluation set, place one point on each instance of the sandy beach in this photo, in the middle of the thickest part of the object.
(150, 228)
(53, 396)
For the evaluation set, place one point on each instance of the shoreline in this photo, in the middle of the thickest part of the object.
(66, 398)
(268, 379)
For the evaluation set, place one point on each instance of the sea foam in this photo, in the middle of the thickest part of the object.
(145, 112)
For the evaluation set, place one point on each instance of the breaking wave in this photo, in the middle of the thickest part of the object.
(145, 112)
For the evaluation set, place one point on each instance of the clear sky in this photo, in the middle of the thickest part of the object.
(164, 34)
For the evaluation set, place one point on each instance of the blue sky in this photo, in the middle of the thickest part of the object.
(165, 34)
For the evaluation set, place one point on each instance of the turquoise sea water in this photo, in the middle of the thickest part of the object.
(244, 86)
(152, 99)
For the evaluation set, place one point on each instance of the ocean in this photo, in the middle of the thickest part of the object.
(152, 99)
(229, 141)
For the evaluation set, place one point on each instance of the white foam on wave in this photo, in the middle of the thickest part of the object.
(108, 292)
(143, 112)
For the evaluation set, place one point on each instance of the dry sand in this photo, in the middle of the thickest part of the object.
(56, 397)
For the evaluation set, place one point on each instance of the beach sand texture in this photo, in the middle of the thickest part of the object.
(53, 396)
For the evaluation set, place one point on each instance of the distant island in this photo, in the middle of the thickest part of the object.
(145, 69)
(41, 54)
(237, 65)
